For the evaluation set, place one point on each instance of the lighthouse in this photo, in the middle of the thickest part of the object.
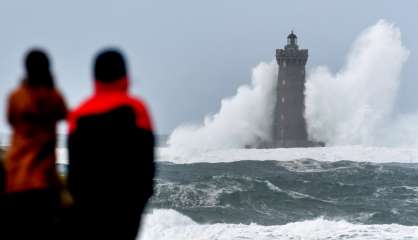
(289, 125)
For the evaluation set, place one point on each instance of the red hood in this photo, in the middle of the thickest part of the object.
(120, 86)
(108, 96)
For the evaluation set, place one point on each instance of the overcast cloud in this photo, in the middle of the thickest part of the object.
(185, 56)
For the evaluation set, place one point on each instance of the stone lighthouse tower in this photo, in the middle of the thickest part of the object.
(289, 123)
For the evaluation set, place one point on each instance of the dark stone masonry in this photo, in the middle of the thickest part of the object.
(289, 126)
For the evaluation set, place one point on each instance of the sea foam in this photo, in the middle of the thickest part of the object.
(354, 153)
(169, 224)
(356, 105)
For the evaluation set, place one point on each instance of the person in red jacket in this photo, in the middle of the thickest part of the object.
(111, 155)
(32, 186)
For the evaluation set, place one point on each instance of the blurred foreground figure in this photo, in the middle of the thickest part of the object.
(32, 185)
(111, 156)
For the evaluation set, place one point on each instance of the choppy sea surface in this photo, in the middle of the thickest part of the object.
(288, 199)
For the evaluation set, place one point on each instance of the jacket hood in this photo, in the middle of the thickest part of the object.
(119, 86)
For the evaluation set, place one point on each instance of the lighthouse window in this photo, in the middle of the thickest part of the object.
(284, 82)
(282, 116)
(282, 99)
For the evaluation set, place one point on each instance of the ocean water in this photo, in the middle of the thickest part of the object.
(297, 198)
(349, 192)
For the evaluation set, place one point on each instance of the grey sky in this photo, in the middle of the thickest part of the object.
(185, 56)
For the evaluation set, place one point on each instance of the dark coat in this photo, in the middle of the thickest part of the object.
(111, 161)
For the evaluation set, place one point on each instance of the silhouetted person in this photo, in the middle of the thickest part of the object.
(111, 155)
(32, 183)
(2, 177)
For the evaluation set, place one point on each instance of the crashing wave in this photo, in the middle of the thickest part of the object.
(327, 154)
(169, 224)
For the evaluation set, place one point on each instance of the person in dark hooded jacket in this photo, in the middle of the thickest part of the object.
(111, 155)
